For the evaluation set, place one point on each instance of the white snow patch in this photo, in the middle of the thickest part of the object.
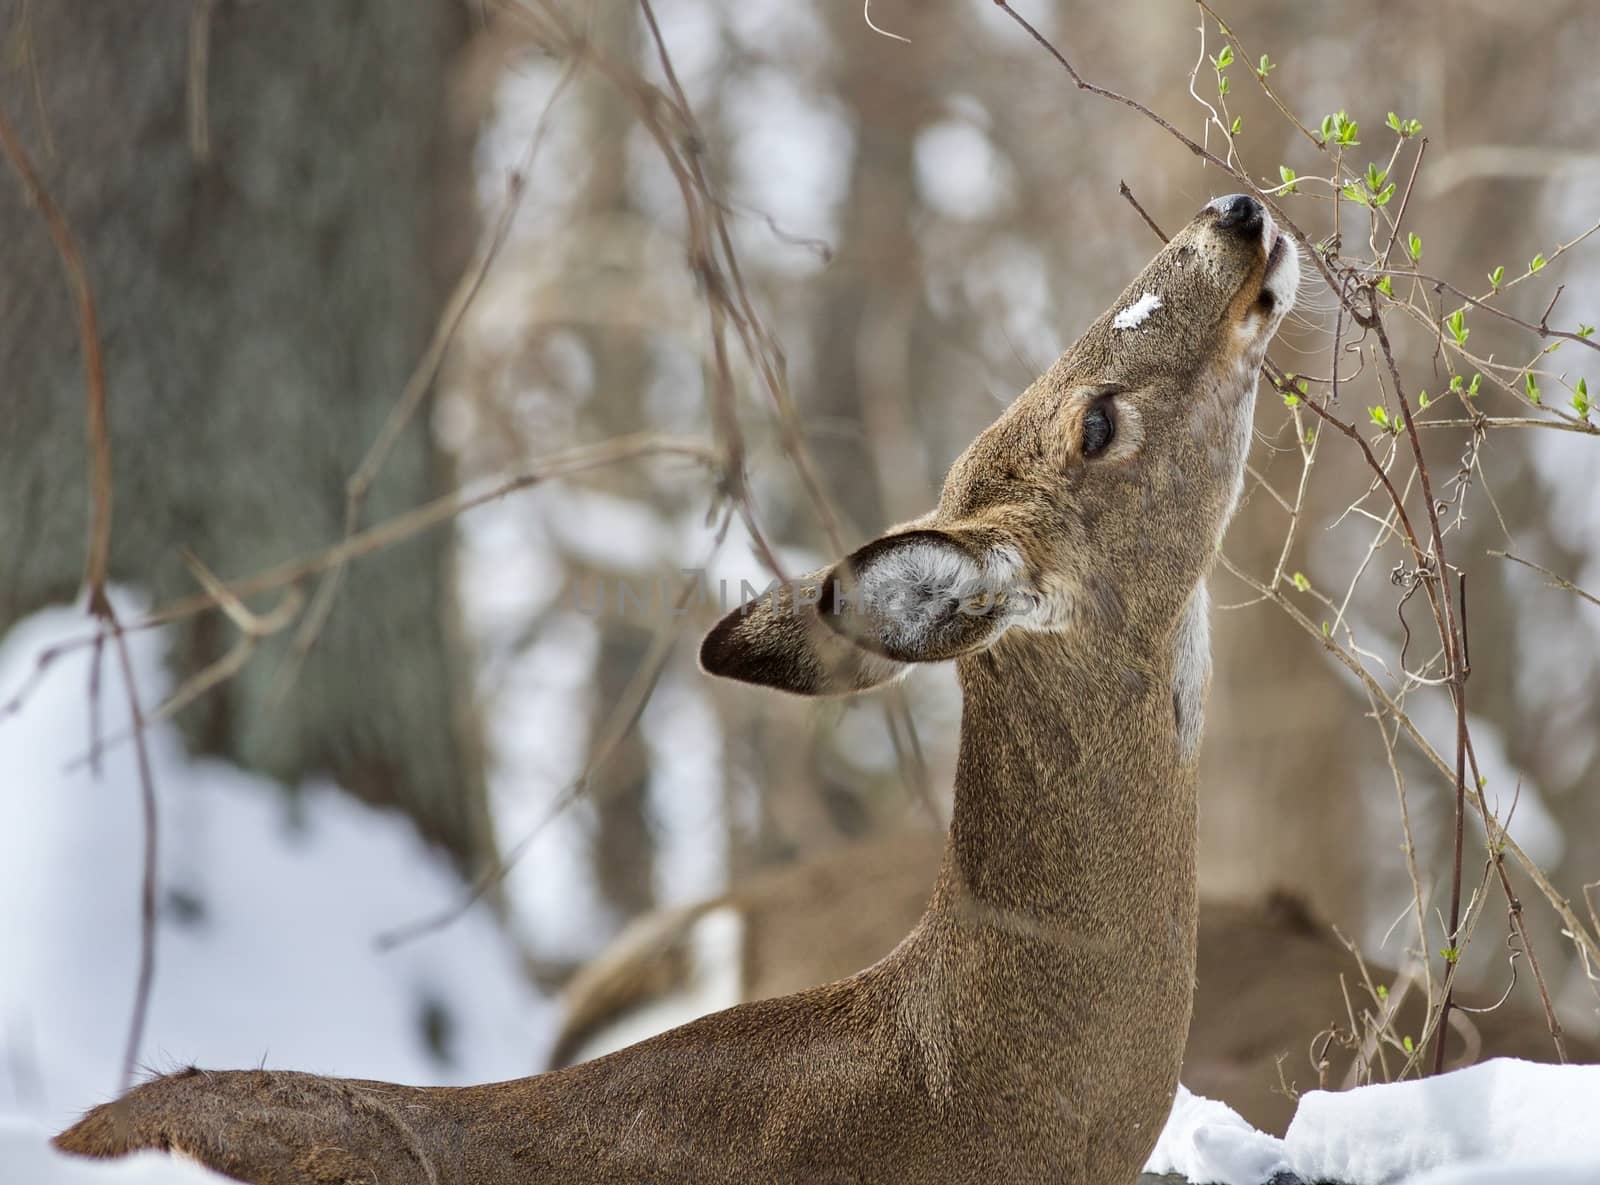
(1501, 1122)
(1209, 1141)
(27, 1158)
(1137, 313)
(1527, 1172)
(268, 912)
(1502, 1111)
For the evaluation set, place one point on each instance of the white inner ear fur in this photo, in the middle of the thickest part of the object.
(915, 586)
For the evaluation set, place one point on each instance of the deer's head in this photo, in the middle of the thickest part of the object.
(1095, 502)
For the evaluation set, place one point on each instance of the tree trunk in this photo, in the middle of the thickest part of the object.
(271, 203)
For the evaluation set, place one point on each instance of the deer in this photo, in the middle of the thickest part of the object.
(1271, 1013)
(1030, 1026)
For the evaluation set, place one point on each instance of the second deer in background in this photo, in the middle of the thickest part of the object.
(1270, 992)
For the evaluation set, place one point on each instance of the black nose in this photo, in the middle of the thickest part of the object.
(1239, 212)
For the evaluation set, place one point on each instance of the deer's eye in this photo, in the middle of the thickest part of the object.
(1099, 429)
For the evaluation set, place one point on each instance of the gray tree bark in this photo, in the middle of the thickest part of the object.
(265, 287)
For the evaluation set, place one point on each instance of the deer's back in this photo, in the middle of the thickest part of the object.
(851, 1098)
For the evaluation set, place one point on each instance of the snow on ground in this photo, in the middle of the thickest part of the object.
(26, 1158)
(1503, 1111)
(1502, 1122)
(268, 913)
(1209, 1141)
(1521, 1173)
(266, 956)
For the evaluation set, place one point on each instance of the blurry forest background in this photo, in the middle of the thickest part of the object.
(275, 203)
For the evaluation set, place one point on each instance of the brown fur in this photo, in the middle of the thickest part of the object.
(1268, 980)
(1030, 1027)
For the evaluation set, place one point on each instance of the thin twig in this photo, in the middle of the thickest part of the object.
(66, 243)
(1556, 581)
(619, 724)
(1122, 188)
(145, 980)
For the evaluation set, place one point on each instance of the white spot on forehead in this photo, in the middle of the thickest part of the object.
(1137, 313)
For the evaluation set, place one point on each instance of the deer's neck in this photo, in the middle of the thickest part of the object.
(1075, 787)
(1058, 953)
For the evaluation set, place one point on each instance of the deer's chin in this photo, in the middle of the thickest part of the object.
(1282, 280)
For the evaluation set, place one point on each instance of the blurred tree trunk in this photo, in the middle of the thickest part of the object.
(861, 381)
(271, 203)
(621, 839)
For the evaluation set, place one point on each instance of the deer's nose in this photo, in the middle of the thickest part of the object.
(1239, 212)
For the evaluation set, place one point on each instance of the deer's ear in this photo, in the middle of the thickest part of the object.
(778, 640)
(926, 595)
(923, 595)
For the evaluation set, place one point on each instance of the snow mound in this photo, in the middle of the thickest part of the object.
(267, 912)
(1522, 1173)
(27, 1158)
(1502, 1111)
(1205, 1140)
(1502, 1122)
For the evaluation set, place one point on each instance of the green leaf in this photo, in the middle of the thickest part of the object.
(1355, 193)
(1496, 276)
(1265, 66)
(1422, 399)
(1536, 263)
(1383, 992)
(1472, 390)
(1405, 128)
(1385, 194)
(1456, 382)
(1375, 177)
(1585, 331)
(1450, 954)
(1325, 629)
(1530, 387)
(1414, 245)
(1380, 417)
(1237, 123)
(1341, 129)
(1409, 1045)
(1457, 324)
(1580, 399)
(1385, 286)
(1300, 582)
(1224, 59)
(1288, 176)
